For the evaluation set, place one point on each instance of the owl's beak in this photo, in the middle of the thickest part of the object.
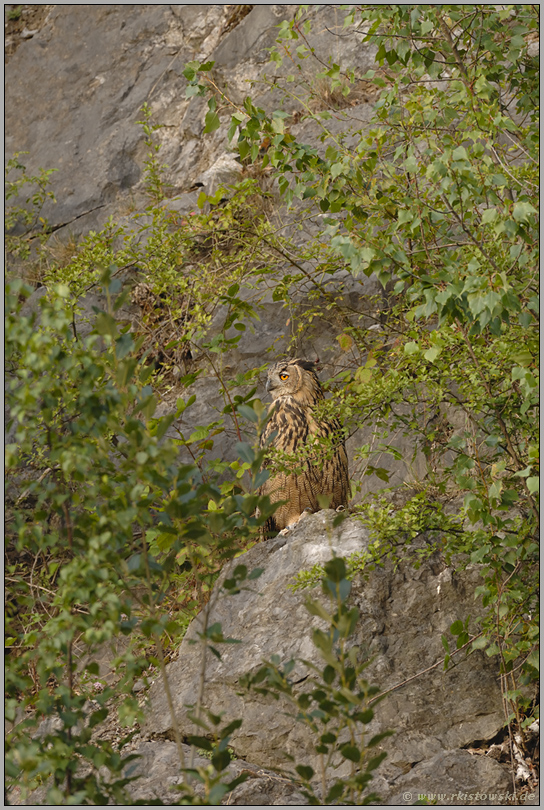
(268, 386)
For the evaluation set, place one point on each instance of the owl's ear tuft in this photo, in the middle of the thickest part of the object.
(307, 365)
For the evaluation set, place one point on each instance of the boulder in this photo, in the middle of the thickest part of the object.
(224, 171)
(454, 778)
(74, 96)
(158, 773)
(251, 38)
(403, 613)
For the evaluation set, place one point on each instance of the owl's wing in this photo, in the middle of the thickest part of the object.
(333, 430)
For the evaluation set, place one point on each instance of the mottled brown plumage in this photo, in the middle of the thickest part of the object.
(293, 427)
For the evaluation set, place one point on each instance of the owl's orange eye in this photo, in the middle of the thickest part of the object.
(284, 376)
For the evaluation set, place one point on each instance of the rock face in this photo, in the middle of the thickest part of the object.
(75, 89)
(76, 84)
(403, 614)
(158, 774)
(74, 94)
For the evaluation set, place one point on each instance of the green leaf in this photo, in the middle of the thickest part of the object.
(221, 760)
(411, 348)
(335, 792)
(105, 324)
(190, 70)
(335, 569)
(305, 771)
(248, 412)
(350, 752)
(345, 341)
(317, 609)
(212, 122)
(460, 153)
(489, 215)
(377, 738)
(480, 643)
(522, 211)
(98, 716)
(524, 357)
(456, 628)
(245, 451)
(124, 345)
(432, 354)
(164, 424)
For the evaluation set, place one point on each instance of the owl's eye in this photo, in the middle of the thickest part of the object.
(284, 376)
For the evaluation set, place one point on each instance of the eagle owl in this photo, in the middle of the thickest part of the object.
(293, 427)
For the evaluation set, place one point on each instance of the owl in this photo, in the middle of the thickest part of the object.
(293, 427)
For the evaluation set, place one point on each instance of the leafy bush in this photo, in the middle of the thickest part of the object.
(23, 222)
(102, 509)
(438, 198)
(96, 485)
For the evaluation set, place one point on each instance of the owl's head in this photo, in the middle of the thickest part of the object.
(294, 378)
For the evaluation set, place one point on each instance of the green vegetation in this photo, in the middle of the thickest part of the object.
(23, 222)
(105, 513)
(438, 198)
(14, 12)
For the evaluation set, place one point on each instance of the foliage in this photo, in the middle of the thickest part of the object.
(104, 508)
(186, 271)
(335, 702)
(97, 484)
(99, 487)
(23, 221)
(438, 198)
(14, 12)
(155, 172)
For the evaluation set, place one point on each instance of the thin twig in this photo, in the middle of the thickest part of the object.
(423, 671)
(26, 493)
(202, 674)
(162, 663)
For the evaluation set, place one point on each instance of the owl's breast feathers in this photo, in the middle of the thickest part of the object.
(289, 421)
(294, 424)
